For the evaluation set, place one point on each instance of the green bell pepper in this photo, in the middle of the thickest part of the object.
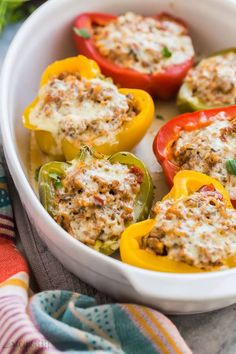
(186, 101)
(52, 174)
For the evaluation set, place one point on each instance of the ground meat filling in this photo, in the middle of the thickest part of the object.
(142, 43)
(97, 200)
(199, 230)
(213, 80)
(89, 111)
(207, 149)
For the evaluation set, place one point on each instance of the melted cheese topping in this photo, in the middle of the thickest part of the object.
(207, 149)
(81, 110)
(144, 44)
(97, 201)
(213, 80)
(198, 230)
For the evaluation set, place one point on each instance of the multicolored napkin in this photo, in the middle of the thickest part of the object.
(62, 321)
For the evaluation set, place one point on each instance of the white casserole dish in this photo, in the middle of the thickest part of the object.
(45, 37)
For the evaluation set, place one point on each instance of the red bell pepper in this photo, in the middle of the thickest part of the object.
(164, 85)
(163, 142)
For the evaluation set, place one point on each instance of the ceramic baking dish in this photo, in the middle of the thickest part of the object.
(45, 37)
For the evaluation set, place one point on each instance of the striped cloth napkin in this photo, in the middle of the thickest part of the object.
(61, 321)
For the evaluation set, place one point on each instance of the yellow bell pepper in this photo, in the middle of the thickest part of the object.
(185, 183)
(131, 133)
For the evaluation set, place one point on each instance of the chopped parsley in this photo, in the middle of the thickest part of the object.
(82, 32)
(160, 117)
(231, 167)
(166, 53)
(56, 180)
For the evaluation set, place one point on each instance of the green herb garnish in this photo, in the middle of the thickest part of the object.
(231, 167)
(56, 180)
(58, 184)
(36, 173)
(159, 116)
(166, 53)
(12, 11)
(82, 32)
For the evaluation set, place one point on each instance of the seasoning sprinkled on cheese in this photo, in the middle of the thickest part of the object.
(213, 80)
(208, 149)
(89, 111)
(199, 230)
(144, 44)
(97, 201)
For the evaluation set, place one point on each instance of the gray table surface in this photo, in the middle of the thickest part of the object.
(211, 333)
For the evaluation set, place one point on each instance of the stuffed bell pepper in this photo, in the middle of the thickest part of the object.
(149, 53)
(95, 197)
(77, 105)
(193, 229)
(203, 141)
(212, 83)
